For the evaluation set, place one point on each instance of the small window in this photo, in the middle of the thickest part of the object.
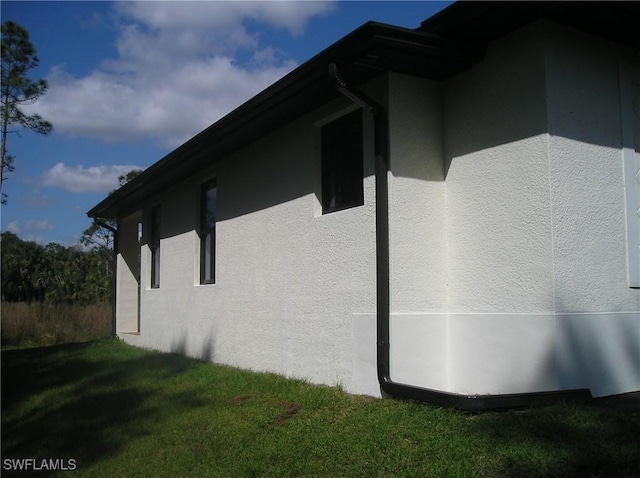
(341, 157)
(155, 247)
(208, 203)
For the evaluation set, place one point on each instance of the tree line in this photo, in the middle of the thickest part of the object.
(80, 274)
(53, 273)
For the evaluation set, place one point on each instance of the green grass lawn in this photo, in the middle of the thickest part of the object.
(114, 410)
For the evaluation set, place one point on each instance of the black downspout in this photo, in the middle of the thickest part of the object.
(388, 386)
(114, 268)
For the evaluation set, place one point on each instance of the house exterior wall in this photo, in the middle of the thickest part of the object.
(598, 313)
(528, 288)
(294, 289)
(501, 331)
(417, 225)
(128, 276)
(508, 258)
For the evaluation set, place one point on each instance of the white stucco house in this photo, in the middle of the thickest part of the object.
(450, 214)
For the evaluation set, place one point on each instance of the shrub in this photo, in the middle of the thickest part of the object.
(40, 324)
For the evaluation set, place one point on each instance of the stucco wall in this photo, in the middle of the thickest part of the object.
(291, 284)
(128, 275)
(417, 230)
(498, 205)
(586, 176)
(598, 326)
(507, 238)
(527, 291)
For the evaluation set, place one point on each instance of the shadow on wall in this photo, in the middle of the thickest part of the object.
(506, 98)
(207, 351)
(534, 81)
(595, 351)
(598, 351)
(545, 78)
(274, 170)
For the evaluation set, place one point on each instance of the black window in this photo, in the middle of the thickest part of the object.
(208, 200)
(342, 163)
(155, 247)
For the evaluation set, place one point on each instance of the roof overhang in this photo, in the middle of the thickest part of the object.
(444, 45)
(364, 54)
(483, 22)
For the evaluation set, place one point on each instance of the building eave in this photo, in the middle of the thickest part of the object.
(483, 22)
(364, 54)
(444, 45)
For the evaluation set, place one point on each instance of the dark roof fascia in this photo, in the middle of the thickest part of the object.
(485, 21)
(445, 44)
(362, 55)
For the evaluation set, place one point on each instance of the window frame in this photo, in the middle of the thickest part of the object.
(208, 234)
(155, 219)
(336, 144)
(629, 87)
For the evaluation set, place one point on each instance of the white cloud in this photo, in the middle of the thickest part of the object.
(29, 228)
(13, 227)
(180, 67)
(78, 179)
(39, 226)
(36, 200)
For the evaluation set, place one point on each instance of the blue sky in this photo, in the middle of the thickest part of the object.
(131, 81)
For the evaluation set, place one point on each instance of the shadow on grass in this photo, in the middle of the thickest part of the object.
(563, 440)
(71, 402)
(103, 404)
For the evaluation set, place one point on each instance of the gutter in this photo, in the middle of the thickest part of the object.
(368, 51)
(114, 278)
(473, 403)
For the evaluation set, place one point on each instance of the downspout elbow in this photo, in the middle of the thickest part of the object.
(465, 402)
(354, 95)
(109, 227)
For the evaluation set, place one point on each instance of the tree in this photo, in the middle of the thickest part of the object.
(25, 270)
(97, 236)
(53, 273)
(18, 57)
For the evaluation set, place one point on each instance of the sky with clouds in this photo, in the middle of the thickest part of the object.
(131, 81)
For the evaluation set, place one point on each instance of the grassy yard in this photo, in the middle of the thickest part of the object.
(113, 410)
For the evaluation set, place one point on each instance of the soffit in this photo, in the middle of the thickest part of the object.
(485, 21)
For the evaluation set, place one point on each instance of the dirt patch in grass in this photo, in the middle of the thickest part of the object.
(290, 409)
(121, 411)
(241, 398)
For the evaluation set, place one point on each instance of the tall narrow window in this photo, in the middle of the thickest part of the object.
(342, 170)
(208, 200)
(630, 115)
(155, 247)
